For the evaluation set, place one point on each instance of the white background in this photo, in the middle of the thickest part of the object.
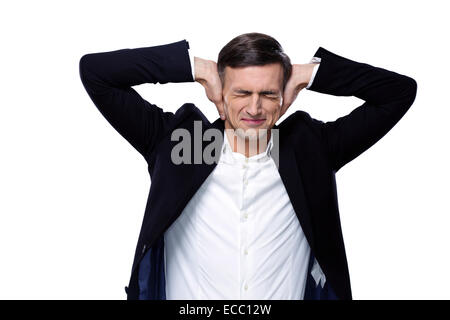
(73, 191)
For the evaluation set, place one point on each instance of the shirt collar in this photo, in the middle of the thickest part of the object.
(230, 157)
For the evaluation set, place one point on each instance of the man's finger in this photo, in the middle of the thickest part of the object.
(283, 109)
(287, 101)
(221, 111)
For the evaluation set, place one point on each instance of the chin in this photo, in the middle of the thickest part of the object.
(253, 133)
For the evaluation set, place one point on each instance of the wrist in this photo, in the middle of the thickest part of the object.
(314, 71)
(303, 74)
(200, 68)
(308, 69)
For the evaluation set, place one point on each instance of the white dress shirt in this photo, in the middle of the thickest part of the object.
(238, 237)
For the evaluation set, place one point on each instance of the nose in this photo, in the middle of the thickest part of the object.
(254, 108)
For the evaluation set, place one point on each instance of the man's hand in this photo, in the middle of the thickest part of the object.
(207, 75)
(300, 76)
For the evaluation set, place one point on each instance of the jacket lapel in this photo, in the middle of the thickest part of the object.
(182, 181)
(293, 182)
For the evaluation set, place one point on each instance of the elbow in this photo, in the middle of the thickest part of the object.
(412, 89)
(87, 66)
(412, 84)
(404, 99)
(408, 93)
(85, 60)
(83, 67)
(90, 75)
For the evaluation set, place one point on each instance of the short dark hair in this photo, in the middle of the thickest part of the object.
(253, 49)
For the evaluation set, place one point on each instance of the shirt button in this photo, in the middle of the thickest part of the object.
(246, 252)
(245, 182)
(245, 215)
(246, 287)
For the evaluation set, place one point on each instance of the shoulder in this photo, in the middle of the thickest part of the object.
(300, 123)
(188, 112)
(185, 117)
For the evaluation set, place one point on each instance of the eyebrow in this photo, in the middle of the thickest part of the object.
(269, 91)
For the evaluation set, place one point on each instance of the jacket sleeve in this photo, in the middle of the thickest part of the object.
(108, 78)
(387, 95)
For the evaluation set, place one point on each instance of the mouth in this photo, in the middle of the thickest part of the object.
(253, 122)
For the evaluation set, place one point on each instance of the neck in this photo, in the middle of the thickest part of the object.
(247, 147)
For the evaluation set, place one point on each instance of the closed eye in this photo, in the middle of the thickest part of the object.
(271, 95)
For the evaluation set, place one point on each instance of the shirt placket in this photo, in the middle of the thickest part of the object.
(244, 228)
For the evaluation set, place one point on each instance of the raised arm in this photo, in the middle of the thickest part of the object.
(109, 76)
(387, 95)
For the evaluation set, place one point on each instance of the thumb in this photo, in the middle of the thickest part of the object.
(220, 109)
(285, 104)
(284, 107)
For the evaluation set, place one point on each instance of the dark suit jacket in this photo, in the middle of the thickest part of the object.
(310, 151)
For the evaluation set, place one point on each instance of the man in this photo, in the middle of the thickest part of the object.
(261, 221)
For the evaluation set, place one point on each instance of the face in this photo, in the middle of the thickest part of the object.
(252, 97)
